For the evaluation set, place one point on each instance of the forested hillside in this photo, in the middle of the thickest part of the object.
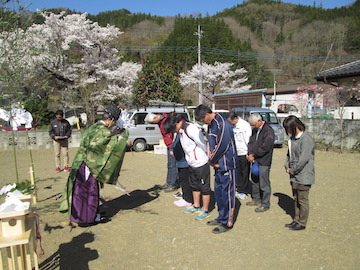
(258, 35)
(123, 18)
(300, 40)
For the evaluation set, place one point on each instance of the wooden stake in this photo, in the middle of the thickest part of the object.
(32, 181)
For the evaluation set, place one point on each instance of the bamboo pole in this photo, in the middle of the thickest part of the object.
(32, 181)
(15, 159)
(31, 170)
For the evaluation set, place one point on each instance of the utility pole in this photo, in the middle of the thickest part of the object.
(274, 71)
(199, 33)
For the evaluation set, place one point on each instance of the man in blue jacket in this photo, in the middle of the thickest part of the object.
(260, 149)
(223, 157)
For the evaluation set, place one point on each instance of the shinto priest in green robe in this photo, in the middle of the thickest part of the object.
(97, 162)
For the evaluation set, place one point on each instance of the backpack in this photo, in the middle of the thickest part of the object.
(184, 126)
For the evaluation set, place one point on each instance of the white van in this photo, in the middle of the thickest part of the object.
(71, 114)
(204, 127)
(269, 117)
(143, 134)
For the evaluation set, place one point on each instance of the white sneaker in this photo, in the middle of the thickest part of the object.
(178, 195)
(242, 196)
(182, 203)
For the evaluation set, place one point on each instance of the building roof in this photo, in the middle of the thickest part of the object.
(347, 70)
(291, 89)
(241, 92)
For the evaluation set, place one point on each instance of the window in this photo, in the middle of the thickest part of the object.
(139, 118)
(286, 108)
(269, 118)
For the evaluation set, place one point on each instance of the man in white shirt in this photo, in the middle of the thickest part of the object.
(242, 132)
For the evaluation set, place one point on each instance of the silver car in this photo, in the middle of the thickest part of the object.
(143, 134)
(269, 117)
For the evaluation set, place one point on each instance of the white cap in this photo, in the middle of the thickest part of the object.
(150, 117)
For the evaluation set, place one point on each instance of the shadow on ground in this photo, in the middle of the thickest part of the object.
(72, 255)
(237, 209)
(137, 198)
(286, 203)
(111, 207)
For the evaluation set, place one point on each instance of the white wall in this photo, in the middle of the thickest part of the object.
(352, 112)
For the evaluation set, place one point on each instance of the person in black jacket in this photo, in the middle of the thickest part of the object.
(260, 149)
(60, 132)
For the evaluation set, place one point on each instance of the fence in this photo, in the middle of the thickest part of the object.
(322, 130)
(326, 131)
(34, 139)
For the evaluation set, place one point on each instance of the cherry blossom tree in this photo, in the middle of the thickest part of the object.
(79, 56)
(215, 78)
(308, 97)
(14, 73)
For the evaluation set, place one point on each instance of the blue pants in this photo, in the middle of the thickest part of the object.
(225, 195)
(172, 173)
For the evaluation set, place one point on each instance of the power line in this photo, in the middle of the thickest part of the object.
(239, 54)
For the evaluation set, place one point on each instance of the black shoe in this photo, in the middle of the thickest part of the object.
(213, 223)
(170, 189)
(253, 203)
(178, 195)
(261, 209)
(221, 229)
(290, 224)
(84, 225)
(104, 219)
(297, 227)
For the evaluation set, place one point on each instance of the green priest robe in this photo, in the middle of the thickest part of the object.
(102, 152)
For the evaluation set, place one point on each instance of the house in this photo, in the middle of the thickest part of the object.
(285, 100)
(347, 75)
(282, 100)
(344, 75)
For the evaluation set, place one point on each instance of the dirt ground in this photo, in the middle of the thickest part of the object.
(147, 231)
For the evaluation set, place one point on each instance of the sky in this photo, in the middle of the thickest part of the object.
(162, 7)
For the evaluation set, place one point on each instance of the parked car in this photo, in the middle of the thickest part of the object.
(224, 113)
(285, 110)
(142, 134)
(267, 115)
(202, 126)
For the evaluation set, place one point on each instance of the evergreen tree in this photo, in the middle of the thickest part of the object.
(123, 18)
(181, 46)
(157, 81)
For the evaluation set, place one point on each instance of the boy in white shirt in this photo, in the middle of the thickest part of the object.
(194, 145)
